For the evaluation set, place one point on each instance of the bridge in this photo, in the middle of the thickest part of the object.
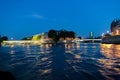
(39, 42)
(88, 40)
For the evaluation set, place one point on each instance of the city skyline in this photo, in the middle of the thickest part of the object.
(23, 18)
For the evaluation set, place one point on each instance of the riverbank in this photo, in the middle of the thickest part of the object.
(111, 39)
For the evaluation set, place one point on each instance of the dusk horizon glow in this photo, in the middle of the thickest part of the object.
(23, 18)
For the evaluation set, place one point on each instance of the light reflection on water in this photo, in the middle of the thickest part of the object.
(111, 50)
(111, 64)
(89, 61)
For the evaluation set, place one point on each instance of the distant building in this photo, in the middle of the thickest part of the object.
(91, 34)
(42, 36)
(115, 27)
(114, 38)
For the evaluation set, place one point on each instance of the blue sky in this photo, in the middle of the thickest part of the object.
(20, 18)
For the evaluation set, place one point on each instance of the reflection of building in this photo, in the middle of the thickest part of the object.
(110, 65)
(110, 50)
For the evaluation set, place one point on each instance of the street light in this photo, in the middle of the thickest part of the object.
(107, 31)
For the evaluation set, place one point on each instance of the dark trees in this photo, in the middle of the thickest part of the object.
(4, 38)
(72, 34)
(56, 35)
(53, 34)
(27, 38)
(107, 35)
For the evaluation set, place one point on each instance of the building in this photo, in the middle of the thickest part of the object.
(42, 36)
(114, 38)
(91, 35)
(115, 27)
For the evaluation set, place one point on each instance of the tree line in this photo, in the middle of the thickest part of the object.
(56, 35)
(3, 38)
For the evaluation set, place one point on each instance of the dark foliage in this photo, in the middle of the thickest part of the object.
(27, 38)
(56, 35)
(4, 38)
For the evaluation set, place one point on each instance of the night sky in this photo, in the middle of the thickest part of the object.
(20, 18)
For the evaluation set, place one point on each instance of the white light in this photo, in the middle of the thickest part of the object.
(107, 31)
(11, 38)
(102, 34)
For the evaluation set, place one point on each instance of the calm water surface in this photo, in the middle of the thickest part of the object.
(62, 62)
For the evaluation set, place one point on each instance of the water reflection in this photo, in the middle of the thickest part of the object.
(12, 49)
(111, 63)
(63, 62)
(110, 50)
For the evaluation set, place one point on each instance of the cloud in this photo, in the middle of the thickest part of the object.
(37, 16)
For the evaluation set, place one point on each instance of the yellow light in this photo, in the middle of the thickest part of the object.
(117, 32)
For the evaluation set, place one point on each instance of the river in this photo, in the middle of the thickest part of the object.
(85, 61)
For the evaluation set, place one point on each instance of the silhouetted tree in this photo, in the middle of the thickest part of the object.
(107, 35)
(62, 34)
(53, 34)
(27, 38)
(80, 37)
(0, 40)
(56, 35)
(4, 38)
(72, 34)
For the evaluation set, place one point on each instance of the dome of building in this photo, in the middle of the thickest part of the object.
(114, 24)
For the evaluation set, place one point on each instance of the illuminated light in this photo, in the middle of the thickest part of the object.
(111, 51)
(44, 59)
(117, 32)
(47, 46)
(106, 45)
(65, 41)
(65, 45)
(50, 45)
(103, 34)
(69, 52)
(112, 33)
(46, 71)
(12, 46)
(78, 46)
(107, 31)
(77, 56)
(93, 46)
(12, 52)
(11, 38)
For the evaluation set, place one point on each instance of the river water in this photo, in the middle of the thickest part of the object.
(85, 61)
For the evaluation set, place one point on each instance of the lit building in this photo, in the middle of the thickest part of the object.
(114, 38)
(115, 27)
(91, 34)
(42, 36)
